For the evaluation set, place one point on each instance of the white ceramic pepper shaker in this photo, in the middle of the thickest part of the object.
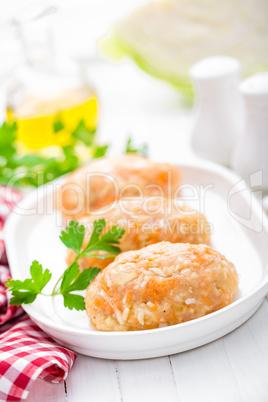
(251, 152)
(219, 113)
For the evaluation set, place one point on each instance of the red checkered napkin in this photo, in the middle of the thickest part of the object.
(26, 352)
(6, 311)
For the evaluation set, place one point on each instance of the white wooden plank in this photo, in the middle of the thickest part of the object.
(205, 375)
(234, 368)
(45, 391)
(93, 380)
(247, 350)
(147, 380)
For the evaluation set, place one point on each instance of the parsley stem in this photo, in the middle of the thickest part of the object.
(56, 291)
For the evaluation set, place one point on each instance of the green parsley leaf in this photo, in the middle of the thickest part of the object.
(73, 281)
(84, 134)
(103, 246)
(19, 298)
(68, 277)
(105, 242)
(73, 236)
(141, 150)
(113, 235)
(73, 301)
(17, 285)
(7, 139)
(58, 126)
(100, 256)
(98, 227)
(83, 280)
(100, 151)
(39, 278)
(27, 290)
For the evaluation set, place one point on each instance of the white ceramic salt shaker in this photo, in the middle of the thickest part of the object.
(219, 113)
(251, 152)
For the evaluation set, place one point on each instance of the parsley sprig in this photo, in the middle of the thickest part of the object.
(140, 150)
(35, 169)
(72, 279)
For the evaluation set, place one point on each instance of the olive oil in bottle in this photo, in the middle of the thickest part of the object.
(50, 121)
(49, 94)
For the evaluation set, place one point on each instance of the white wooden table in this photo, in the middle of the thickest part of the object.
(233, 368)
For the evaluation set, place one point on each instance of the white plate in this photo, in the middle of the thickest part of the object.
(240, 233)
